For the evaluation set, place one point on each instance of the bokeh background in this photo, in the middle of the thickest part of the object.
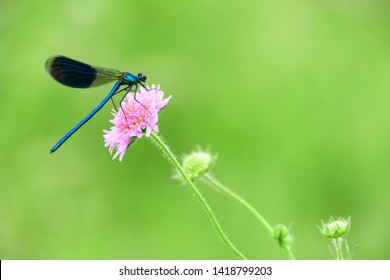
(293, 97)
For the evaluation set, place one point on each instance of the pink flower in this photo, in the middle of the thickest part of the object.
(136, 120)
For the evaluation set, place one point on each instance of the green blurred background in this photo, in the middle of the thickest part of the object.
(293, 97)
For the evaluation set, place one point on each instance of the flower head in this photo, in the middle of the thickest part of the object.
(336, 228)
(284, 236)
(197, 163)
(134, 119)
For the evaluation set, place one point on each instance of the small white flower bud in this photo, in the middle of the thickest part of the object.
(336, 228)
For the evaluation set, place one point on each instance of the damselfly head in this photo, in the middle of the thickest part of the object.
(141, 77)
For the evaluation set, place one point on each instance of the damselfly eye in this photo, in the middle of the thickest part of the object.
(143, 78)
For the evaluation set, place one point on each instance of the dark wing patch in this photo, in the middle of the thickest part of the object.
(76, 74)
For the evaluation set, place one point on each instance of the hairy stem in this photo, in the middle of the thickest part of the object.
(198, 195)
(212, 181)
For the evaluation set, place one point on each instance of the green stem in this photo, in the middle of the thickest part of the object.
(290, 254)
(221, 187)
(198, 195)
(212, 181)
(339, 249)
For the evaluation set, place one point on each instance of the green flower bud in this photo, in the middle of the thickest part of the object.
(336, 228)
(197, 163)
(283, 236)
